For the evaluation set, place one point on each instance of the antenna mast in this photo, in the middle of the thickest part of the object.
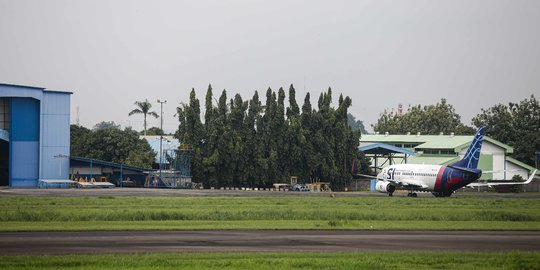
(77, 120)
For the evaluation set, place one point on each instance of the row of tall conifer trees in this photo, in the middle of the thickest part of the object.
(254, 144)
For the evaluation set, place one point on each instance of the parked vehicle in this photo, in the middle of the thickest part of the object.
(300, 188)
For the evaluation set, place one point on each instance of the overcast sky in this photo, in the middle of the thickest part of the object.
(380, 53)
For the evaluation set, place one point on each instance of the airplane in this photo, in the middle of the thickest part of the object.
(440, 180)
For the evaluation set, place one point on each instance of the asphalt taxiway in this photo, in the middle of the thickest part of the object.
(32, 243)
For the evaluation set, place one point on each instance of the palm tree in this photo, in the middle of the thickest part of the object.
(144, 108)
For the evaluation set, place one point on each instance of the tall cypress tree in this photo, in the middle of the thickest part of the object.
(191, 132)
(224, 142)
(237, 146)
(344, 151)
(253, 147)
(295, 136)
(309, 158)
(280, 135)
(267, 127)
(210, 151)
(196, 139)
(293, 111)
(245, 144)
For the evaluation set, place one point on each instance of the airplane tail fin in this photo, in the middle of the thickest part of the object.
(470, 160)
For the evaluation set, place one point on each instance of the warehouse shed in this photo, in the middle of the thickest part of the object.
(446, 149)
(34, 135)
(104, 171)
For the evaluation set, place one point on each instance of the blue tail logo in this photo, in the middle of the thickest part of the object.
(470, 160)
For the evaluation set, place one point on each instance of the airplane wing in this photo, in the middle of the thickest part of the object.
(381, 179)
(411, 183)
(503, 183)
(371, 176)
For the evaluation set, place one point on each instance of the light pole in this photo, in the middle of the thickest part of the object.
(167, 154)
(121, 175)
(161, 137)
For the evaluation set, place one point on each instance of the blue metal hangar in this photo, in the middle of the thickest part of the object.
(34, 135)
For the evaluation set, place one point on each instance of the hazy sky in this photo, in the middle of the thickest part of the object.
(380, 53)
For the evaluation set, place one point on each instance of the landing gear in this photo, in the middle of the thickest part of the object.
(412, 194)
(442, 194)
(390, 194)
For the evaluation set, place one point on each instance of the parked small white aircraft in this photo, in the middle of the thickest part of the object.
(441, 180)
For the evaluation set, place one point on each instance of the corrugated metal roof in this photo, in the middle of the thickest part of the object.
(438, 160)
(382, 148)
(394, 138)
(97, 162)
(17, 85)
(36, 88)
(456, 142)
(58, 91)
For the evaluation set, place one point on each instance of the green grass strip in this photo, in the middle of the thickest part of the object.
(346, 260)
(21, 213)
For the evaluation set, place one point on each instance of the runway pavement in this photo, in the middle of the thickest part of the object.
(255, 241)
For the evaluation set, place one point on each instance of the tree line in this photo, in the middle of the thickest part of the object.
(106, 141)
(254, 143)
(428, 119)
(515, 124)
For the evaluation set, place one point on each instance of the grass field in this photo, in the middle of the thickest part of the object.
(364, 260)
(188, 213)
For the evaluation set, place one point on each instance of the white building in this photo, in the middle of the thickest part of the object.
(447, 149)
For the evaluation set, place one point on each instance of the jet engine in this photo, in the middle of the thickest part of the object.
(385, 187)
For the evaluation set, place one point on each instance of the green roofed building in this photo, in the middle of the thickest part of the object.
(446, 149)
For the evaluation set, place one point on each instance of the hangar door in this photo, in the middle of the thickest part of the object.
(24, 142)
(4, 141)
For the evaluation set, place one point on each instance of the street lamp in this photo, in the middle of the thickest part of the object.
(161, 137)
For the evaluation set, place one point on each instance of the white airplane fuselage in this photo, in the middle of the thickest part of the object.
(425, 174)
(441, 180)
(438, 179)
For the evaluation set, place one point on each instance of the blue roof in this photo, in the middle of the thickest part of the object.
(97, 162)
(382, 148)
(7, 85)
(25, 86)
